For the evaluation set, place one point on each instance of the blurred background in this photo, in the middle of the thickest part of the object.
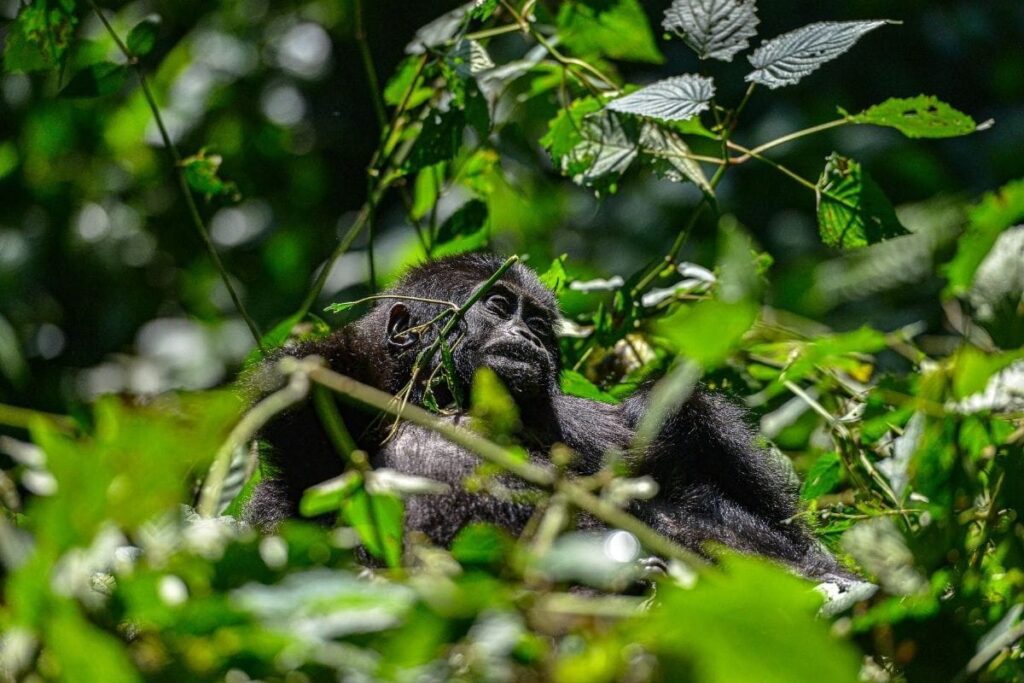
(106, 287)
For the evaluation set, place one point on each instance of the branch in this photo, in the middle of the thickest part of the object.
(190, 202)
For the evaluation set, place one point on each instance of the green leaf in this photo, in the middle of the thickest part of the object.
(609, 145)
(973, 368)
(40, 35)
(608, 28)
(493, 406)
(575, 384)
(924, 116)
(823, 477)
(142, 38)
(96, 80)
(671, 157)
(852, 209)
(556, 277)
(83, 653)
(988, 219)
(438, 140)
(8, 159)
(397, 88)
(377, 518)
(328, 497)
(483, 9)
(202, 173)
(469, 218)
(481, 544)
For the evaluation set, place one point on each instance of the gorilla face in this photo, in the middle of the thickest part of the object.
(512, 333)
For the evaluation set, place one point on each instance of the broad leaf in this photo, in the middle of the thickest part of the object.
(608, 28)
(852, 210)
(923, 116)
(575, 384)
(96, 80)
(439, 140)
(440, 30)
(673, 99)
(826, 472)
(713, 28)
(988, 219)
(142, 38)
(671, 157)
(377, 518)
(469, 218)
(607, 149)
(40, 36)
(469, 58)
(787, 59)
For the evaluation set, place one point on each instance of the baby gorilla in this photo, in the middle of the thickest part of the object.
(715, 483)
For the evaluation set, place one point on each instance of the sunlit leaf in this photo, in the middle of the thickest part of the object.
(917, 117)
(575, 384)
(824, 475)
(608, 147)
(988, 219)
(328, 497)
(673, 99)
(377, 518)
(493, 406)
(852, 210)
(469, 58)
(671, 157)
(440, 30)
(713, 28)
(785, 60)
(608, 28)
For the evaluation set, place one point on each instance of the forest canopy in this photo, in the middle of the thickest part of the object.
(815, 209)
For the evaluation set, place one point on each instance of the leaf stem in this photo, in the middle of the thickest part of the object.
(789, 138)
(22, 418)
(190, 203)
(368, 67)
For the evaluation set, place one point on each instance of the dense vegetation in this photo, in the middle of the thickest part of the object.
(713, 198)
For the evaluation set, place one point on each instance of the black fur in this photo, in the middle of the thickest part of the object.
(715, 482)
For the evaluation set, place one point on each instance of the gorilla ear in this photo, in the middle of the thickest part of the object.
(399, 322)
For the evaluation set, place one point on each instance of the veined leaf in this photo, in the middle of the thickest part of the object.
(673, 99)
(713, 28)
(852, 210)
(469, 58)
(39, 37)
(788, 58)
(923, 116)
(439, 139)
(440, 30)
(605, 152)
(672, 157)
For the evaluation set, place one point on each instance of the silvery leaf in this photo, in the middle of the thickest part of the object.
(788, 58)
(439, 31)
(673, 99)
(606, 149)
(672, 157)
(469, 58)
(713, 28)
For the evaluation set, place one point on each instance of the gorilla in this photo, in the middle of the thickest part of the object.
(716, 484)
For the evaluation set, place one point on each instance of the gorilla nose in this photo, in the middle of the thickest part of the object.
(521, 330)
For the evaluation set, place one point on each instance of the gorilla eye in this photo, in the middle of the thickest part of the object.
(538, 325)
(496, 303)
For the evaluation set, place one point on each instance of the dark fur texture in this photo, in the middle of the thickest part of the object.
(715, 483)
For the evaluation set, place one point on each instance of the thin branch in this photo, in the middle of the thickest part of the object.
(510, 461)
(368, 67)
(295, 391)
(190, 203)
(789, 138)
(22, 418)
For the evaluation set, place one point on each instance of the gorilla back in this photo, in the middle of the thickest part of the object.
(715, 483)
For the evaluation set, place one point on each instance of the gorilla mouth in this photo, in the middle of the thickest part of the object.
(515, 352)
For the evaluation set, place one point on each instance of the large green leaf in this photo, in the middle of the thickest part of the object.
(852, 210)
(40, 35)
(608, 28)
(923, 116)
(993, 214)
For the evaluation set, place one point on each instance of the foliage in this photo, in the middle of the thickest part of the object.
(898, 400)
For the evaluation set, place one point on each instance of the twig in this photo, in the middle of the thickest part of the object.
(371, 72)
(22, 418)
(190, 202)
(260, 414)
(510, 461)
(789, 138)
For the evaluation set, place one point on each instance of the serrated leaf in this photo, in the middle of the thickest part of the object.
(672, 157)
(564, 130)
(713, 28)
(39, 37)
(826, 472)
(606, 150)
(674, 99)
(788, 58)
(96, 80)
(142, 38)
(988, 219)
(924, 116)
(608, 28)
(469, 58)
(202, 174)
(852, 210)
